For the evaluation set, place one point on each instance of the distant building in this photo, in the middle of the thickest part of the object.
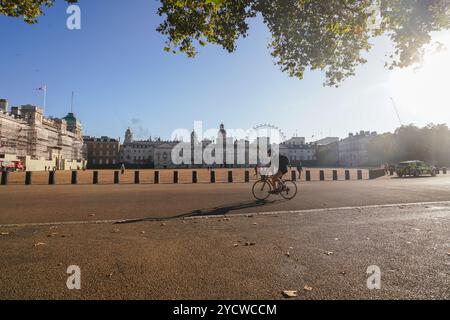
(102, 152)
(145, 153)
(328, 154)
(353, 150)
(40, 142)
(326, 141)
(298, 151)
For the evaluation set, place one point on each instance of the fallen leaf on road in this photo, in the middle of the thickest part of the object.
(4, 233)
(415, 229)
(39, 244)
(92, 215)
(53, 227)
(291, 248)
(142, 232)
(287, 254)
(116, 231)
(110, 275)
(329, 253)
(307, 288)
(250, 244)
(226, 219)
(255, 224)
(336, 239)
(235, 245)
(290, 293)
(51, 235)
(163, 224)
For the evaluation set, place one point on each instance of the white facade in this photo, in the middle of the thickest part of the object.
(297, 150)
(353, 150)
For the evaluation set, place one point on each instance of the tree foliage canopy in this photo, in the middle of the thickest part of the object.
(431, 143)
(330, 35)
(327, 35)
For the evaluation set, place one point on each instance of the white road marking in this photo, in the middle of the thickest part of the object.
(269, 213)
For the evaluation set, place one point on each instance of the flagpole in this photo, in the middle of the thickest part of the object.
(45, 98)
(71, 104)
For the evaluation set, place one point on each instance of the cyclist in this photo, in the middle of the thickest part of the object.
(281, 170)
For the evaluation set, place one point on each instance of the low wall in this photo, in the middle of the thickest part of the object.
(183, 176)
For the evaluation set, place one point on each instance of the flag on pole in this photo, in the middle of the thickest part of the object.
(44, 88)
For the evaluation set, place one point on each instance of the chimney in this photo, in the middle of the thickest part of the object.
(4, 105)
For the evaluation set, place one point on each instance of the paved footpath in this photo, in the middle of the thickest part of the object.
(241, 257)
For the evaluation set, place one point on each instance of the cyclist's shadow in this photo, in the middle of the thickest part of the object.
(215, 211)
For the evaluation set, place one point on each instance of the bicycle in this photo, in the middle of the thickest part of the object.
(262, 188)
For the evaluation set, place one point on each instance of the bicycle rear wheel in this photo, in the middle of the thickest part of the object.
(261, 190)
(289, 190)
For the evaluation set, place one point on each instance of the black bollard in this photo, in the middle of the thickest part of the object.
(74, 179)
(156, 180)
(51, 177)
(230, 176)
(116, 177)
(308, 175)
(175, 177)
(137, 178)
(322, 175)
(444, 170)
(213, 176)
(95, 177)
(28, 178)
(347, 174)
(359, 175)
(335, 175)
(247, 176)
(293, 175)
(194, 176)
(5, 175)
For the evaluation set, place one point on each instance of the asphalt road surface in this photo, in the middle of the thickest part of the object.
(215, 242)
(43, 204)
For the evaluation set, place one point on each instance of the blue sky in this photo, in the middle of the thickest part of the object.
(122, 77)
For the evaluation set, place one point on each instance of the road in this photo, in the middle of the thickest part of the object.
(43, 204)
(291, 246)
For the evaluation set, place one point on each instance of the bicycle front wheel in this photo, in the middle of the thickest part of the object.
(289, 190)
(261, 190)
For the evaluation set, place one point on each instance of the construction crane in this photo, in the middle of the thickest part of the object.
(396, 112)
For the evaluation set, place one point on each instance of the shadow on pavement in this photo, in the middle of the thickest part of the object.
(216, 211)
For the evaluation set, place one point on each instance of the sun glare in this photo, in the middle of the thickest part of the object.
(424, 91)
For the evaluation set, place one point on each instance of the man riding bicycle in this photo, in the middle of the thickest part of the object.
(280, 167)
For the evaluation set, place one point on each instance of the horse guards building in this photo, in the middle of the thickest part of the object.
(157, 153)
